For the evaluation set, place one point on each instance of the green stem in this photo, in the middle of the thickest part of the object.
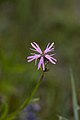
(27, 101)
(74, 97)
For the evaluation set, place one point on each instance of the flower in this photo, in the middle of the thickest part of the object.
(43, 56)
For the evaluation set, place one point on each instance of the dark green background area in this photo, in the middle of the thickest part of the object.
(42, 21)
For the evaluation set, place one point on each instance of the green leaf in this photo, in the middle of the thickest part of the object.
(4, 114)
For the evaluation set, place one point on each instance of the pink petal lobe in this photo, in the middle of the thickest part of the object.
(51, 45)
(51, 59)
(31, 58)
(38, 48)
(49, 48)
(52, 54)
(41, 62)
(33, 45)
(48, 45)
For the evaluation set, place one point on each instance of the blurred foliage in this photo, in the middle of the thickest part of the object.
(24, 21)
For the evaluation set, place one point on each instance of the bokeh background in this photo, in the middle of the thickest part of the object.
(42, 21)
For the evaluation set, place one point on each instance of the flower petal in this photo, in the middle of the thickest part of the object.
(36, 47)
(51, 59)
(54, 59)
(41, 62)
(51, 45)
(48, 45)
(31, 58)
(52, 54)
(48, 50)
(32, 49)
(33, 46)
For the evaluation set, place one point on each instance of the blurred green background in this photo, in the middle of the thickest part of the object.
(42, 21)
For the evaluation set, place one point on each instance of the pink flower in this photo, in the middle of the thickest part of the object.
(43, 56)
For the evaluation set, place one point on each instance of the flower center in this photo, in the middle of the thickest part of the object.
(42, 55)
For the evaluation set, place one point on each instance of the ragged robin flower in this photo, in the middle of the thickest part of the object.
(43, 56)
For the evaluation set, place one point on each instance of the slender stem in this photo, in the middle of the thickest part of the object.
(27, 101)
(74, 97)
